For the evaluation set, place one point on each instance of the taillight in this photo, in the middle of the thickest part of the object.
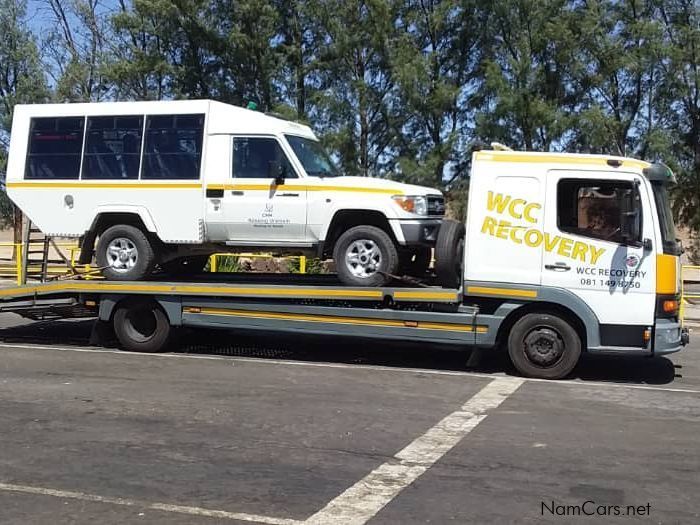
(670, 306)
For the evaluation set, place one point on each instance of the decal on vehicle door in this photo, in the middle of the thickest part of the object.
(528, 233)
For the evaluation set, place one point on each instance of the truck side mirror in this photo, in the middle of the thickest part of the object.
(276, 170)
(630, 219)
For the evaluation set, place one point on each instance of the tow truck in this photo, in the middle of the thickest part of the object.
(560, 254)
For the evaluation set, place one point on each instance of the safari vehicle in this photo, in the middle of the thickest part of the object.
(166, 184)
(560, 255)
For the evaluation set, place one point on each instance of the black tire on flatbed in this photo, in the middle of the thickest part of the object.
(449, 254)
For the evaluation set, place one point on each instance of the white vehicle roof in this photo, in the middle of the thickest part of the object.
(221, 118)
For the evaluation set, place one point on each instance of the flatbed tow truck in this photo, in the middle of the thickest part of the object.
(534, 269)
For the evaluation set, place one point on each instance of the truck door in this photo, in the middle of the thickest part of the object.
(586, 251)
(256, 208)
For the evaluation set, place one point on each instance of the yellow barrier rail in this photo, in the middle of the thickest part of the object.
(12, 266)
(684, 295)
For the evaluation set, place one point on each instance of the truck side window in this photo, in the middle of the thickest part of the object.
(593, 208)
(112, 147)
(55, 147)
(252, 157)
(173, 147)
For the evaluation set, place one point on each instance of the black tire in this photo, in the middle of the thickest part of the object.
(388, 261)
(415, 262)
(186, 265)
(449, 254)
(142, 326)
(544, 346)
(145, 256)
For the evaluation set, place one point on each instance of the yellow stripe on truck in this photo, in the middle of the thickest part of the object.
(666, 276)
(501, 292)
(562, 158)
(362, 321)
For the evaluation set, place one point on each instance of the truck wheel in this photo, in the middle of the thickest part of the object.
(544, 346)
(125, 254)
(449, 254)
(364, 255)
(186, 265)
(141, 326)
(415, 262)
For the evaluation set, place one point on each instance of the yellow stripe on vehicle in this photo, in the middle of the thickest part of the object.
(361, 321)
(501, 292)
(666, 278)
(437, 296)
(212, 290)
(301, 187)
(108, 185)
(492, 156)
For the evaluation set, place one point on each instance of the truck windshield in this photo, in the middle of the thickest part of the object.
(668, 229)
(313, 157)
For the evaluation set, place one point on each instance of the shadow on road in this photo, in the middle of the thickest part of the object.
(404, 354)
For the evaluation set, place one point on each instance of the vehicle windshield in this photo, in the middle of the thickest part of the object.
(668, 228)
(313, 157)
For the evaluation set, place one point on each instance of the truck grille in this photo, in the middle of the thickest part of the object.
(436, 205)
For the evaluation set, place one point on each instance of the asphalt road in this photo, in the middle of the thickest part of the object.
(234, 429)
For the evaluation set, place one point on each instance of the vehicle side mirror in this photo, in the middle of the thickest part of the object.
(630, 219)
(276, 170)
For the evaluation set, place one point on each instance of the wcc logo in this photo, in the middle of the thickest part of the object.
(632, 261)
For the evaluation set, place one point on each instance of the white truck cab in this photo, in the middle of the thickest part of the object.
(566, 250)
(165, 184)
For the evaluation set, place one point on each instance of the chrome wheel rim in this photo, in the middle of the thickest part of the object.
(363, 258)
(122, 254)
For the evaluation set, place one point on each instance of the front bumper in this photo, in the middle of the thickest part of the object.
(669, 336)
(420, 231)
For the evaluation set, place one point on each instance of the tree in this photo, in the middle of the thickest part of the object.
(681, 82)
(618, 67)
(437, 61)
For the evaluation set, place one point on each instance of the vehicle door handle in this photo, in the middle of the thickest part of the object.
(237, 192)
(558, 267)
(287, 194)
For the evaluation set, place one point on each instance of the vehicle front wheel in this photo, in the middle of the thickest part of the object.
(544, 346)
(364, 256)
(125, 254)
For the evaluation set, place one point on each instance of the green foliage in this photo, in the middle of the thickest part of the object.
(395, 88)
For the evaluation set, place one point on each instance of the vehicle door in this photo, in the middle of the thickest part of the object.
(587, 249)
(265, 201)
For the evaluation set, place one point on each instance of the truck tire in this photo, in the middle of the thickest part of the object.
(142, 326)
(364, 255)
(185, 265)
(415, 262)
(449, 254)
(125, 254)
(544, 346)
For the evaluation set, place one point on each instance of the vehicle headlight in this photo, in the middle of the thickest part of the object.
(412, 203)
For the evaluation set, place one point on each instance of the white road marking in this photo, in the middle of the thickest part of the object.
(367, 497)
(380, 368)
(165, 507)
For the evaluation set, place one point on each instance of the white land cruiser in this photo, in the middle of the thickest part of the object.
(166, 184)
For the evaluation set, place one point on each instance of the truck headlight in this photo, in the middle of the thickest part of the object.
(417, 204)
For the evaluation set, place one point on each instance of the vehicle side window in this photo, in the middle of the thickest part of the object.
(112, 147)
(593, 208)
(252, 157)
(55, 147)
(173, 147)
